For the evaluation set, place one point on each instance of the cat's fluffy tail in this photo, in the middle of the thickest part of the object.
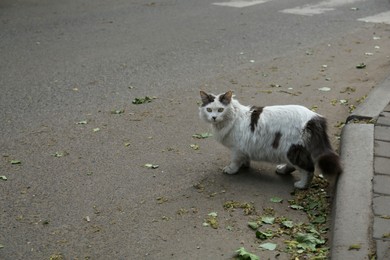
(320, 148)
(329, 163)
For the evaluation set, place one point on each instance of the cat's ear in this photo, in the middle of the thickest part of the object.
(226, 98)
(206, 98)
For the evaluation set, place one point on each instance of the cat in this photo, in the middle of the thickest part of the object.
(291, 135)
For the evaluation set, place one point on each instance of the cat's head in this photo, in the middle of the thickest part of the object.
(215, 108)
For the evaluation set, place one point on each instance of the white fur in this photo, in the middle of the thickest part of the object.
(232, 129)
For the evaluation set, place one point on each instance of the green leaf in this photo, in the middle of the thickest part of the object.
(268, 220)
(308, 241)
(60, 154)
(245, 255)
(269, 246)
(202, 135)
(151, 166)
(3, 177)
(194, 146)
(263, 235)
(319, 220)
(84, 122)
(296, 207)
(361, 65)
(16, 162)
(276, 200)
(253, 225)
(288, 224)
(355, 247)
(142, 100)
(213, 214)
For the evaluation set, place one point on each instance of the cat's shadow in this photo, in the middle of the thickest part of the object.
(259, 175)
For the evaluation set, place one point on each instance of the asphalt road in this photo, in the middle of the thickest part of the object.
(66, 66)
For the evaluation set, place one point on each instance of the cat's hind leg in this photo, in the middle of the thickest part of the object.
(238, 160)
(304, 182)
(301, 159)
(284, 169)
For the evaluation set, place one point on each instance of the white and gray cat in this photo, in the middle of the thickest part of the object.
(291, 134)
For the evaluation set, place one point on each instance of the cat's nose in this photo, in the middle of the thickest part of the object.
(214, 118)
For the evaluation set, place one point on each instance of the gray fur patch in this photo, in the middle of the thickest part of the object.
(300, 157)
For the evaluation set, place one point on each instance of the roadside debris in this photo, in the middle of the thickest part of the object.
(143, 100)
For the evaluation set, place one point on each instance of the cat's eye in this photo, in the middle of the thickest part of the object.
(220, 110)
(209, 110)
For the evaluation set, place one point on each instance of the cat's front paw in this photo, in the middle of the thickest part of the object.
(230, 170)
(284, 169)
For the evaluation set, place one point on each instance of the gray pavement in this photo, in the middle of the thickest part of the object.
(361, 224)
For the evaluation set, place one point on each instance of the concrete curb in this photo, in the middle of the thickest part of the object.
(374, 104)
(352, 211)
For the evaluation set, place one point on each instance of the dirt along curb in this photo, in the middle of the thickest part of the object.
(353, 217)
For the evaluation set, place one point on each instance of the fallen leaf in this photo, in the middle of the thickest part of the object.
(263, 235)
(324, 89)
(276, 200)
(60, 154)
(387, 235)
(269, 246)
(288, 224)
(361, 65)
(245, 255)
(355, 247)
(16, 162)
(348, 90)
(84, 122)
(194, 146)
(96, 130)
(202, 135)
(151, 166)
(161, 200)
(296, 207)
(212, 220)
(319, 220)
(268, 220)
(3, 177)
(213, 214)
(142, 100)
(253, 225)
